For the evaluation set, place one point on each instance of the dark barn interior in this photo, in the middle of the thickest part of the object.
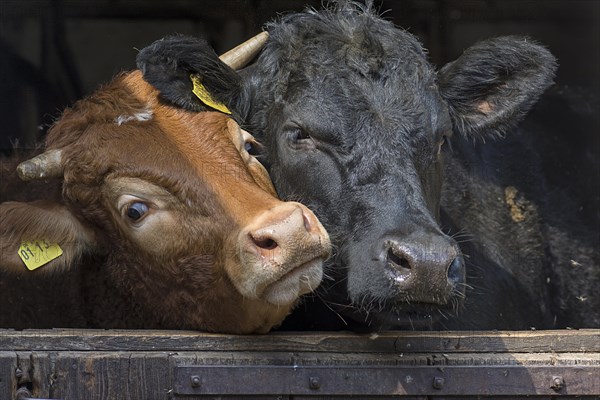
(53, 52)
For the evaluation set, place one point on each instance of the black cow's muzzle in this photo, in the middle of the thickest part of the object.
(426, 269)
(409, 277)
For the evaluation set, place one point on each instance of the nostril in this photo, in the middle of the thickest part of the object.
(397, 261)
(265, 243)
(455, 270)
(307, 223)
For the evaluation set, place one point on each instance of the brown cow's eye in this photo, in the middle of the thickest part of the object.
(136, 211)
(251, 148)
(254, 148)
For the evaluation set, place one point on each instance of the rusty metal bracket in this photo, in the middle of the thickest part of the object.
(388, 380)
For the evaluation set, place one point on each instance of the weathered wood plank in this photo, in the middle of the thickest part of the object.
(104, 364)
(388, 342)
(97, 375)
(383, 359)
(150, 375)
(106, 375)
(8, 365)
(25, 369)
(42, 376)
(145, 368)
(91, 376)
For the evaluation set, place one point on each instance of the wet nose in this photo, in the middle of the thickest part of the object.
(281, 230)
(281, 254)
(284, 231)
(426, 269)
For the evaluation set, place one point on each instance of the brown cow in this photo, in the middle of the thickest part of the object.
(165, 221)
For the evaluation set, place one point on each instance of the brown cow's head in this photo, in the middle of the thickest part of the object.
(185, 221)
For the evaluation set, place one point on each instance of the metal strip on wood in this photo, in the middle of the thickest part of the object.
(376, 381)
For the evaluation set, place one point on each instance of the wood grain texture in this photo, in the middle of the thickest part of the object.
(587, 340)
(103, 364)
(8, 365)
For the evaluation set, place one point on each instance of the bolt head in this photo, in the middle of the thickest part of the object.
(558, 382)
(438, 382)
(314, 383)
(195, 381)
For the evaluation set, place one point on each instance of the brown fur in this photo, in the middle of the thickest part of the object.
(120, 276)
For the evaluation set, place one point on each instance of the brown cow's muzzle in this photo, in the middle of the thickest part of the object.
(282, 253)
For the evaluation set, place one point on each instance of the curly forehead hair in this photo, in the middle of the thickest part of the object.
(346, 33)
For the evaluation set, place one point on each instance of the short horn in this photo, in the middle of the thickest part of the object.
(241, 55)
(45, 165)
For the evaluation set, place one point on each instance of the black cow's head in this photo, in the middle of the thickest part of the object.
(355, 121)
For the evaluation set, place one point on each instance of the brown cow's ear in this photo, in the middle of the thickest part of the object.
(41, 237)
(494, 83)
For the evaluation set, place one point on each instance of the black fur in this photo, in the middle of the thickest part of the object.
(508, 73)
(352, 115)
(165, 67)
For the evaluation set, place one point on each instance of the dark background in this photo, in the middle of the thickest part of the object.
(53, 52)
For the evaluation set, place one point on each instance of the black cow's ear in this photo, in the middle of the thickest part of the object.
(170, 63)
(494, 83)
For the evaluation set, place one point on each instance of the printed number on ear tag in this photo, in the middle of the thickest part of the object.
(200, 91)
(38, 252)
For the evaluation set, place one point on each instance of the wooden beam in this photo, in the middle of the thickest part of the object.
(573, 341)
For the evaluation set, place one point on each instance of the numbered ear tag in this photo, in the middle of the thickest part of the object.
(37, 253)
(200, 91)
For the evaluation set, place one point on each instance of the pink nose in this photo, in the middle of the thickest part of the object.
(284, 229)
(281, 254)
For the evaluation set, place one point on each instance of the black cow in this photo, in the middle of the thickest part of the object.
(356, 124)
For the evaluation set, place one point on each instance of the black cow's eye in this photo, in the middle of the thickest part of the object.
(298, 138)
(136, 211)
(299, 135)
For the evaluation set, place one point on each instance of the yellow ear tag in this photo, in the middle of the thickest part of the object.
(38, 252)
(200, 91)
